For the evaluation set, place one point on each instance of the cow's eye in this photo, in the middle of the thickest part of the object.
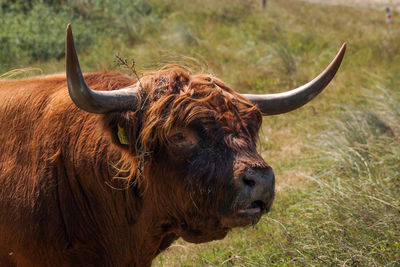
(183, 139)
(177, 138)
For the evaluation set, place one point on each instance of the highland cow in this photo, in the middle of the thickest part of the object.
(105, 170)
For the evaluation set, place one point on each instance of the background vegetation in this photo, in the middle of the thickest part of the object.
(336, 159)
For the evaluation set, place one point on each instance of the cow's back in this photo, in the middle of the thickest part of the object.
(25, 113)
(25, 175)
(46, 146)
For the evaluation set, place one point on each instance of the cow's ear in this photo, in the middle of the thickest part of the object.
(124, 128)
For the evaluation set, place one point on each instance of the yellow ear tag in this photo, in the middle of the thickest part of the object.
(123, 139)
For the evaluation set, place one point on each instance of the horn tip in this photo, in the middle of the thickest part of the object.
(69, 39)
(69, 32)
(69, 29)
(343, 48)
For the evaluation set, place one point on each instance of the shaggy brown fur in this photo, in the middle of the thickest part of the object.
(72, 195)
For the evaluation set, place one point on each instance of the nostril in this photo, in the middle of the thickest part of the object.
(249, 182)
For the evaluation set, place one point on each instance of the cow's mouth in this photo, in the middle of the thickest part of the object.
(255, 208)
(251, 214)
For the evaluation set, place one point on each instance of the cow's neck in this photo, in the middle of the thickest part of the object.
(153, 233)
(122, 219)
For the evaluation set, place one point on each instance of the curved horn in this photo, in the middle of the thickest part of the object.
(88, 99)
(272, 104)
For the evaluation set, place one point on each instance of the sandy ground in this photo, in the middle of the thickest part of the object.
(368, 2)
(371, 4)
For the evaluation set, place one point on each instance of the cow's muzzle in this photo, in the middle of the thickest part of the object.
(255, 194)
(258, 186)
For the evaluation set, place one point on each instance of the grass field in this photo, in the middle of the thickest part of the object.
(336, 160)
